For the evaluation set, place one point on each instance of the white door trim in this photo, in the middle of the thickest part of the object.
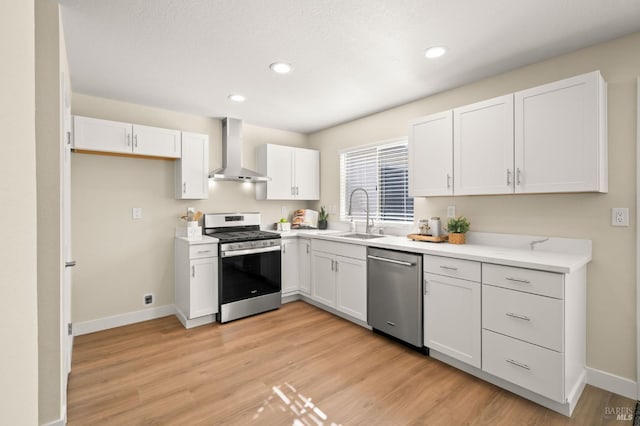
(638, 239)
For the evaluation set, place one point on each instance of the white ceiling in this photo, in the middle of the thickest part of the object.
(350, 57)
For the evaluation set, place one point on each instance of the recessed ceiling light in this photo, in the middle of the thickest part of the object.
(435, 52)
(280, 67)
(237, 98)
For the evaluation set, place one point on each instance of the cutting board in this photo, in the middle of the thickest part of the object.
(428, 238)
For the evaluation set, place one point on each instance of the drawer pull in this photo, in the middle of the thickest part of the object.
(450, 268)
(522, 317)
(204, 251)
(518, 364)
(392, 324)
(518, 280)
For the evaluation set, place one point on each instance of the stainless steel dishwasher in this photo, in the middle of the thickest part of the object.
(394, 296)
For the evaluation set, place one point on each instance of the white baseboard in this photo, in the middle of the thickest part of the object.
(612, 383)
(59, 422)
(106, 323)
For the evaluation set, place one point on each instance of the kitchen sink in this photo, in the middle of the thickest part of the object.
(363, 236)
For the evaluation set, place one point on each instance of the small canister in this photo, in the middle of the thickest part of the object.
(434, 226)
(423, 226)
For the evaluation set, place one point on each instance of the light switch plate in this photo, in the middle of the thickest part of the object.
(619, 216)
(136, 213)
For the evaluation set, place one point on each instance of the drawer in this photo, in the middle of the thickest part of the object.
(355, 251)
(534, 319)
(203, 250)
(529, 366)
(450, 267)
(537, 282)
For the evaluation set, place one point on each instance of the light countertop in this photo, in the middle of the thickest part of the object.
(540, 259)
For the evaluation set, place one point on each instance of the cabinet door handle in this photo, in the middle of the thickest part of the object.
(336, 266)
(518, 176)
(307, 248)
(128, 139)
(332, 266)
(293, 191)
(193, 271)
(508, 177)
(284, 249)
(518, 280)
(518, 364)
(424, 287)
(450, 268)
(184, 187)
(522, 317)
(448, 180)
(392, 324)
(297, 190)
(135, 141)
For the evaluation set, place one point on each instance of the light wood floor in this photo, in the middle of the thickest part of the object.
(259, 370)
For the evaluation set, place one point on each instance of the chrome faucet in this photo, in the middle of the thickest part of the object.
(533, 243)
(368, 227)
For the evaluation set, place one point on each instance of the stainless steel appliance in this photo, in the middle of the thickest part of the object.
(394, 298)
(249, 275)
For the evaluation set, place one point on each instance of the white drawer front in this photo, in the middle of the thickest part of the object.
(355, 251)
(457, 268)
(202, 250)
(537, 282)
(532, 367)
(534, 319)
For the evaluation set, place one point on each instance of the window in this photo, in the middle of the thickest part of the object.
(382, 171)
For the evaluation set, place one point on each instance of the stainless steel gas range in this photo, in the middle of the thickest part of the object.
(249, 273)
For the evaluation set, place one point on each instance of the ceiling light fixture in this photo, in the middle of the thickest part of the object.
(237, 98)
(435, 52)
(280, 67)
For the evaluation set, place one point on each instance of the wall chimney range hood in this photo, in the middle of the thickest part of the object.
(232, 155)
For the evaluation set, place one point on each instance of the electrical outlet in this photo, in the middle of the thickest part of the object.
(619, 216)
(148, 299)
(451, 211)
(136, 213)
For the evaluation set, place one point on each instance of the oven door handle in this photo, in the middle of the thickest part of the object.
(250, 251)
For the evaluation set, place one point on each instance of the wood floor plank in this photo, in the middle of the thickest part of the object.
(296, 363)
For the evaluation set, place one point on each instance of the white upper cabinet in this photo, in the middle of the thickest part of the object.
(483, 147)
(294, 173)
(156, 141)
(551, 138)
(306, 173)
(561, 136)
(92, 134)
(431, 155)
(192, 170)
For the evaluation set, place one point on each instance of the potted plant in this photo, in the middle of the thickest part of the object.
(322, 218)
(457, 227)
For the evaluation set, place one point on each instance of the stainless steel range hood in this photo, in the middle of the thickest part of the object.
(232, 155)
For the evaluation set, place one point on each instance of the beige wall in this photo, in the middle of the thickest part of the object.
(119, 259)
(611, 332)
(18, 278)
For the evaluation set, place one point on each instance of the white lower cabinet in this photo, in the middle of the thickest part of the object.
(534, 330)
(289, 256)
(339, 277)
(452, 311)
(196, 281)
(304, 266)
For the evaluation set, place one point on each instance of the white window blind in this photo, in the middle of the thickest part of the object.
(382, 171)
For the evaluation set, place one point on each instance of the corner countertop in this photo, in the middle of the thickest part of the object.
(541, 259)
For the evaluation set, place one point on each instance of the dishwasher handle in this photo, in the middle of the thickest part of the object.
(397, 262)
